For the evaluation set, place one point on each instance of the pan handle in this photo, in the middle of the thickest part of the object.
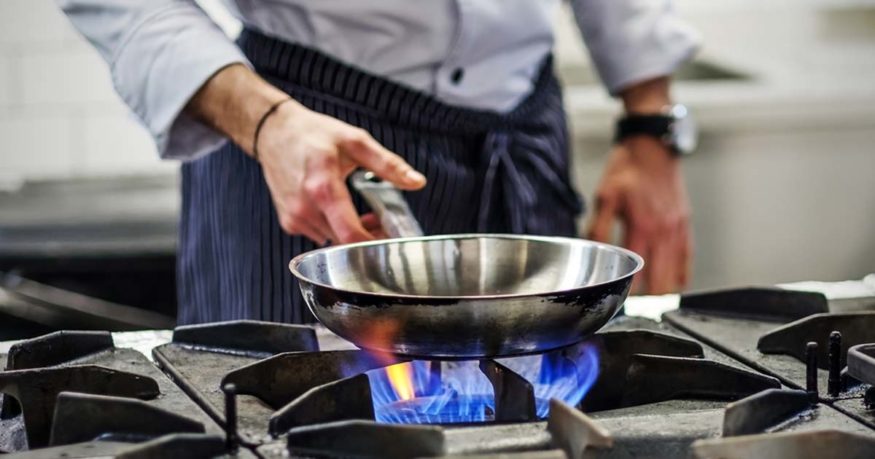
(388, 203)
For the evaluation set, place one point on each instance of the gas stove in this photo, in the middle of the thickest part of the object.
(730, 374)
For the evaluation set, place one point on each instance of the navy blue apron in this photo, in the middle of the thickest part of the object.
(487, 172)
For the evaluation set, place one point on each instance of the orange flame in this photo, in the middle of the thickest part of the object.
(401, 377)
(380, 337)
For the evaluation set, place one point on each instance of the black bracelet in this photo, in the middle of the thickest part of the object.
(258, 126)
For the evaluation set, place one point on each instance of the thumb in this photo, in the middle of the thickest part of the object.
(368, 153)
(603, 223)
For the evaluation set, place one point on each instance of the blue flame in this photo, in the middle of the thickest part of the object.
(554, 375)
(460, 393)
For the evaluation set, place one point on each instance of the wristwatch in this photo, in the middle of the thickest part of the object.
(674, 126)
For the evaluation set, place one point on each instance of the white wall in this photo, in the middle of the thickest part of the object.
(59, 116)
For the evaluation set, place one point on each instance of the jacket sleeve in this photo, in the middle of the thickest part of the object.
(634, 40)
(160, 52)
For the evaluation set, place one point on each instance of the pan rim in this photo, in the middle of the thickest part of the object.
(296, 261)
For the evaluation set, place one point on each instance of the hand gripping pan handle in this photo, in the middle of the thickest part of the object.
(388, 203)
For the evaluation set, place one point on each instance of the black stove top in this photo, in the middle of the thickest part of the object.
(729, 374)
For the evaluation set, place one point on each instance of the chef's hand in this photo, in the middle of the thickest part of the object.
(642, 187)
(305, 156)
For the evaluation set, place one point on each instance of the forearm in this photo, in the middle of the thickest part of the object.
(159, 52)
(647, 97)
(233, 101)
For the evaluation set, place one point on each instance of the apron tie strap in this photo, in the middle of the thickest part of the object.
(520, 173)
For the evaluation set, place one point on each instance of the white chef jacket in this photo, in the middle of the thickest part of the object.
(473, 53)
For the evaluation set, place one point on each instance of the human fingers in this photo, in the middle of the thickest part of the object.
(368, 153)
(605, 216)
(329, 192)
(635, 241)
(665, 261)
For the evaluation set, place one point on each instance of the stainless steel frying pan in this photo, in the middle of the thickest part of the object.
(461, 296)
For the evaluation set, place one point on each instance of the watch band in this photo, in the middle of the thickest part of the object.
(658, 126)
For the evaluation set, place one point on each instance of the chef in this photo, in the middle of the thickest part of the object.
(454, 101)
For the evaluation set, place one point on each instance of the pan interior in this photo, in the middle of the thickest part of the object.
(468, 266)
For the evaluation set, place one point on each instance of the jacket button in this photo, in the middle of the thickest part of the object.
(457, 75)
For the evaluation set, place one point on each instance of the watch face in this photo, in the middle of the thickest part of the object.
(683, 131)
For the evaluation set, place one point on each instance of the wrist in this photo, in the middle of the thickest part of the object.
(673, 127)
(233, 101)
(647, 97)
(651, 154)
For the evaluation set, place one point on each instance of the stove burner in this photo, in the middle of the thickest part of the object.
(450, 407)
(514, 396)
(37, 390)
(806, 353)
(798, 445)
(348, 398)
(765, 303)
(48, 350)
(70, 387)
(854, 328)
(861, 365)
(516, 389)
(83, 417)
(764, 410)
(368, 439)
(569, 433)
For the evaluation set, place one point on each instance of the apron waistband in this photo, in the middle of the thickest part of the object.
(311, 70)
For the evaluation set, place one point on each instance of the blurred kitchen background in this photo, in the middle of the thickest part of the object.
(783, 184)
